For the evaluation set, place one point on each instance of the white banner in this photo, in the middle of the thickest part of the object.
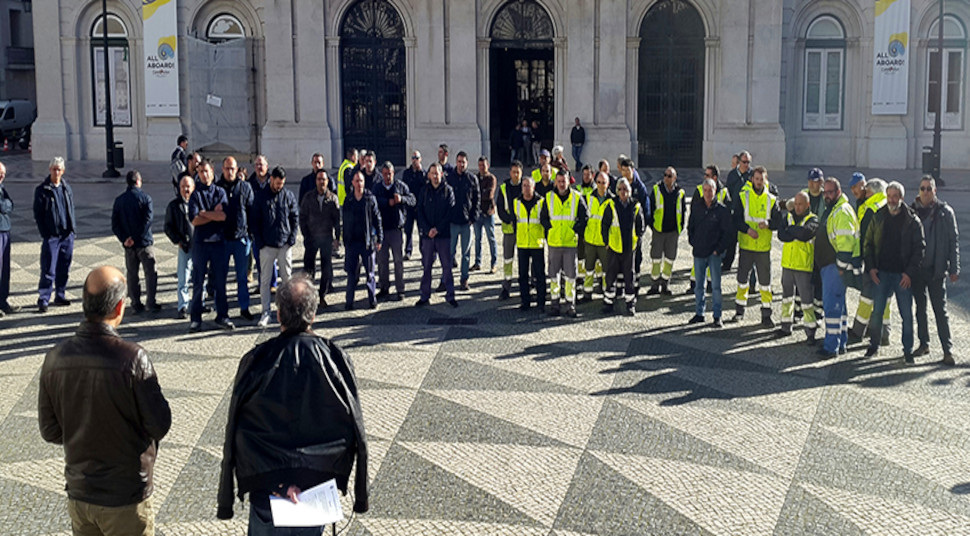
(161, 58)
(890, 71)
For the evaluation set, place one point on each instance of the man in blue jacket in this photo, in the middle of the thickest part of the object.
(207, 211)
(131, 222)
(276, 218)
(393, 199)
(363, 236)
(239, 194)
(54, 214)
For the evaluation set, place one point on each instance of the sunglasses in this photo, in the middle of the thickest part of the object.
(926, 188)
(415, 158)
(667, 175)
(745, 161)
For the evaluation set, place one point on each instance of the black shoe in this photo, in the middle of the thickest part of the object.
(948, 359)
(825, 354)
(783, 332)
(453, 303)
(630, 311)
(718, 323)
(421, 303)
(349, 306)
(407, 256)
(710, 288)
(10, 309)
(464, 285)
(696, 319)
(225, 324)
(666, 291)
(553, 310)
(374, 306)
(397, 296)
(181, 314)
(206, 309)
(195, 327)
(61, 302)
(872, 351)
(154, 307)
(137, 309)
(690, 289)
(475, 267)
(884, 340)
(441, 287)
(737, 318)
(654, 290)
(908, 358)
(504, 295)
(323, 303)
(246, 314)
(924, 349)
(767, 322)
(571, 312)
(41, 308)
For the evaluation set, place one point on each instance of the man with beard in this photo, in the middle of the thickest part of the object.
(836, 244)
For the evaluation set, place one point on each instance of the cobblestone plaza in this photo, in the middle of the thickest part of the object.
(487, 420)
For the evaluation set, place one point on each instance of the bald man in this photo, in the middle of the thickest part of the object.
(797, 233)
(109, 459)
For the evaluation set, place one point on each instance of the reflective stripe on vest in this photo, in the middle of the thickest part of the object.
(616, 237)
(594, 226)
(658, 212)
(798, 255)
(755, 215)
(563, 216)
(874, 202)
(341, 187)
(507, 228)
(529, 233)
(842, 228)
(720, 196)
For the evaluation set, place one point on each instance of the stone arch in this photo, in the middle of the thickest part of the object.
(87, 14)
(241, 9)
(403, 7)
(931, 11)
(491, 8)
(845, 12)
(704, 7)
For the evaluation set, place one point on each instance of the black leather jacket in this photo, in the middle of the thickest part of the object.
(100, 398)
(294, 419)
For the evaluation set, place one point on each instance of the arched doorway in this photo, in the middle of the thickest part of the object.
(670, 106)
(373, 80)
(521, 75)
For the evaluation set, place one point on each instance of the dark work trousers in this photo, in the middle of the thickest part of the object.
(393, 244)
(357, 256)
(536, 258)
(144, 257)
(620, 264)
(56, 254)
(409, 231)
(442, 248)
(730, 252)
(936, 286)
(209, 258)
(325, 248)
(4, 268)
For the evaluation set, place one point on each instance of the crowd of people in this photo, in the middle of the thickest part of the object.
(572, 238)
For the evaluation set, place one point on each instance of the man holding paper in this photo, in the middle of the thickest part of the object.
(294, 418)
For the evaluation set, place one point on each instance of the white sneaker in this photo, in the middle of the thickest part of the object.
(264, 320)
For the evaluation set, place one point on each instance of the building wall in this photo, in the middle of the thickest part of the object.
(754, 79)
(16, 30)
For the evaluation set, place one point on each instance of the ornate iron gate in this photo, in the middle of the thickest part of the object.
(373, 79)
(670, 118)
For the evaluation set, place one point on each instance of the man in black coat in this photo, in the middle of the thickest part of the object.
(415, 177)
(468, 204)
(320, 224)
(131, 223)
(309, 181)
(178, 229)
(54, 214)
(363, 236)
(709, 230)
(293, 422)
(276, 218)
(434, 224)
(393, 199)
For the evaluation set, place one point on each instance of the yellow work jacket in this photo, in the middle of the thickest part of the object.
(563, 217)
(798, 255)
(529, 233)
(757, 209)
(594, 226)
(341, 187)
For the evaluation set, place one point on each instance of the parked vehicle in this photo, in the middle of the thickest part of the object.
(16, 118)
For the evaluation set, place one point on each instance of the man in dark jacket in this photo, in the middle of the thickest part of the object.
(6, 208)
(736, 179)
(320, 224)
(468, 204)
(894, 251)
(207, 213)
(623, 225)
(942, 259)
(708, 230)
(278, 444)
(577, 137)
(508, 192)
(415, 178)
(54, 214)
(276, 218)
(309, 181)
(434, 226)
(178, 229)
(131, 223)
(363, 236)
(238, 246)
(99, 398)
(393, 199)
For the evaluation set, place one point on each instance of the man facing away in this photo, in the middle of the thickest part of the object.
(131, 223)
(99, 398)
(323, 429)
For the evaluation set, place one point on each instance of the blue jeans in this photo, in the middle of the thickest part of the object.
(488, 223)
(836, 314)
(463, 231)
(209, 257)
(238, 250)
(56, 254)
(577, 153)
(184, 273)
(888, 286)
(701, 265)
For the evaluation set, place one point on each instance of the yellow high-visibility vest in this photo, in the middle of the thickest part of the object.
(616, 237)
(757, 209)
(529, 233)
(658, 211)
(341, 187)
(563, 217)
(798, 255)
(594, 227)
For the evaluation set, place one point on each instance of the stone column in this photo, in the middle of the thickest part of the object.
(49, 133)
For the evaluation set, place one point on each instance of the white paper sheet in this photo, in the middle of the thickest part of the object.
(318, 506)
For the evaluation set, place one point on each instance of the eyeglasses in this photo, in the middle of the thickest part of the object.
(668, 175)
(415, 158)
(926, 188)
(745, 161)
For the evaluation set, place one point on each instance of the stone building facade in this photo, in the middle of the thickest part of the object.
(684, 82)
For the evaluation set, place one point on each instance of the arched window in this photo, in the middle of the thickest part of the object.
(224, 27)
(118, 70)
(945, 79)
(824, 74)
